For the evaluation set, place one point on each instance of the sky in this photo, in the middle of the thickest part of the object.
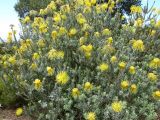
(9, 16)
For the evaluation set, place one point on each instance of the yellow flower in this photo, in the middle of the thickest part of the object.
(109, 40)
(65, 8)
(35, 56)
(60, 54)
(103, 67)
(72, 32)
(12, 60)
(57, 17)
(97, 34)
(138, 45)
(156, 95)
(113, 59)
(54, 34)
(139, 22)
(62, 77)
(93, 2)
(136, 9)
(88, 3)
(52, 54)
(91, 116)
(43, 28)
(88, 55)
(28, 42)
(52, 5)
(27, 19)
(42, 12)
(37, 84)
(80, 19)
(86, 48)
(117, 106)
(108, 49)
(41, 43)
(155, 63)
(153, 32)
(106, 32)
(62, 31)
(80, 2)
(22, 48)
(122, 65)
(152, 77)
(19, 112)
(75, 92)
(88, 86)
(132, 70)
(104, 6)
(133, 89)
(50, 71)
(87, 10)
(33, 66)
(124, 84)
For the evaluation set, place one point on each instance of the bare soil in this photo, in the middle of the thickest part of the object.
(10, 115)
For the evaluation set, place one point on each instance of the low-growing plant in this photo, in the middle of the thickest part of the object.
(7, 94)
(87, 63)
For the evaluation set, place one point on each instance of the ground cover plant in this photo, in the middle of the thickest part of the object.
(86, 61)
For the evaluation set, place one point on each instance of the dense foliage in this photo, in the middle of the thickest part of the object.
(83, 63)
(23, 7)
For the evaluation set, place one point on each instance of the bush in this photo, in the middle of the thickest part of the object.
(7, 95)
(85, 63)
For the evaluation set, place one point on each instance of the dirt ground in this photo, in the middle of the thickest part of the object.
(10, 115)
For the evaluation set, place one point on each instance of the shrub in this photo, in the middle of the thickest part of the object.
(7, 95)
(85, 63)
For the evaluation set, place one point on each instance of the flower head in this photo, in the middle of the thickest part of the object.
(103, 67)
(88, 86)
(12, 60)
(50, 71)
(156, 95)
(54, 34)
(62, 77)
(124, 84)
(138, 45)
(35, 56)
(133, 88)
(113, 59)
(117, 106)
(75, 92)
(122, 65)
(19, 111)
(132, 70)
(152, 77)
(91, 116)
(37, 84)
(72, 31)
(155, 63)
(106, 32)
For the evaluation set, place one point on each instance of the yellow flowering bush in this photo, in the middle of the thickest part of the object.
(86, 61)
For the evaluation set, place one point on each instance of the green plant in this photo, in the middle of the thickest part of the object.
(84, 63)
(7, 95)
